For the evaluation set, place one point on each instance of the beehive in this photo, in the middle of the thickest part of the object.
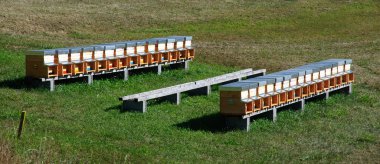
(142, 52)
(109, 54)
(76, 59)
(65, 67)
(101, 61)
(88, 58)
(169, 50)
(133, 58)
(235, 98)
(41, 64)
(121, 55)
(179, 46)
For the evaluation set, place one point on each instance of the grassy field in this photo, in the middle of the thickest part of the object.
(81, 123)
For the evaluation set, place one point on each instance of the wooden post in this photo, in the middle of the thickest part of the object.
(21, 125)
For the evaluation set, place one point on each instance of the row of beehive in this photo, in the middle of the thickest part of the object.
(255, 94)
(106, 57)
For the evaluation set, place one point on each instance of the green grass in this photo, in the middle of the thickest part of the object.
(82, 123)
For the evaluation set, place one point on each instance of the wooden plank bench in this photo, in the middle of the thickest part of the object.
(138, 102)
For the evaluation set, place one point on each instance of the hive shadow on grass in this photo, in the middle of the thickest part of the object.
(18, 83)
(214, 123)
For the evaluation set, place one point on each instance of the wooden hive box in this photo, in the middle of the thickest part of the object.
(109, 53)
(121, 55)
(41, 64)
(130, 50)
(152, 49)
(101, 61)
(88, 58)
(190, 52)
(292, 84)
(65, 67)
(304, 79)
(77, 60)
(141, 51)
(235, 98)
(169, 50)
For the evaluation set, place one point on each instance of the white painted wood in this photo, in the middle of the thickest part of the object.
(140, 49)
(322, 74)
(75, 56)
(130, 50)
(293, 82)
(48, 59)
(170, 46)
(244, 94)
(286, 84)
(340, 68)
(188, 43)
(261, 90)
(180, 45)
(252, 92)
(87, 55)
(301, 79)
(278, 86)
(315, 75)
(151, 48)
(328, 72)
(347, 67)
(161, 47)
(334, 70)
(98, 54)
(109, 53)
(270, 88)
(119, 52)
(63, 57)
(308, 77)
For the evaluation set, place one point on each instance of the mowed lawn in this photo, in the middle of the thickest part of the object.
(80, 123)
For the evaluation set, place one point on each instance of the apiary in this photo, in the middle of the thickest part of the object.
(41, 63)
(169, 51)
(261, 90)
(179, 46)
(76, 59)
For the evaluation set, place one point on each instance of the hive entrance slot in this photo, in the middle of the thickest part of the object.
(90, 67)
(164, 57)
(154, 58)
(133, 61)
(182, 54)
(112, 64)
(338, 80)
(123, 62)
(320, 87)
(78, 68)
(144, 60)
(102, 65)
(173, 56)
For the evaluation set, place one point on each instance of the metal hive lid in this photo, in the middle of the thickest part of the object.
(170, 40)
(260, 82)
(63, 50)
(42, 52)
(140, 42)
(283, 73)
(178, 38)
(275, 78)
(270, 80)
(237, 86)
(108, 46)
(312, 68)
(284, 77)
(98, 47)
(340, 61)
(75, 49)
(87, 48)
(305, 69)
